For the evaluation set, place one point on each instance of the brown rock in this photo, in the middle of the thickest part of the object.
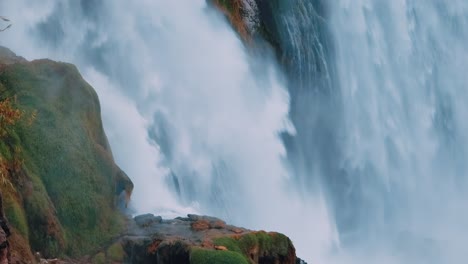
(234, 11)
(200, 225)
(236, 230)
(154, 247)
(172, 241)
(218, 224)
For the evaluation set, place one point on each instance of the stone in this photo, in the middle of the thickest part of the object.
(147, 220)
(200, 225)
(195, 237)
(236, 230)
(218, 224)
(300, 261)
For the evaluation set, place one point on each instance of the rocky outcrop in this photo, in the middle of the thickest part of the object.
(60, 182)
(236, 13)
(196, 240)
(253, 21)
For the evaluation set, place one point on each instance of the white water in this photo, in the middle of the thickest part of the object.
(180, 96)
(402, 72)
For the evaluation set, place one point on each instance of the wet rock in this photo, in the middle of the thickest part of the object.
(147, 220)
(200, 222)
(176, 240)
(300, 261)
(218, 224)
(193, 217)
(200, 225)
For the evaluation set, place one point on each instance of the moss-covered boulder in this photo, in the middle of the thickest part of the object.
(179, 241)
(62, 184)
(260, 247)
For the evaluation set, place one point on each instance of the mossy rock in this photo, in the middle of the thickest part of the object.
(68, 185)
(16, 215)
(206, 256)
(116, 252)
(100, 258)
(257, 244)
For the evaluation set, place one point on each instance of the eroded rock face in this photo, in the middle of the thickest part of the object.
(201, 239)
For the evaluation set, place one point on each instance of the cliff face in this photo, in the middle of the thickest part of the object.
(60, 183)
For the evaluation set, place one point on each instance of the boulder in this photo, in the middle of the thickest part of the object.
(200, 225)
(147, 220)
(196, 239)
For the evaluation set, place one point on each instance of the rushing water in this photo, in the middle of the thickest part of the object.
(378, 95)
(401, 72)
(371, 164)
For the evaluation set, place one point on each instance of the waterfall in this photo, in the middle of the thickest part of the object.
(377, 100)
(401, 74)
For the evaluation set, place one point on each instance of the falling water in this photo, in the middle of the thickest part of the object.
(401, 73)
(378, 96)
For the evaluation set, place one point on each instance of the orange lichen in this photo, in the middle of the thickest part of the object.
(235, 17)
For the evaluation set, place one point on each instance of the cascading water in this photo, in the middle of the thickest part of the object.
(401, 72)
(376, 144)
(377, 99)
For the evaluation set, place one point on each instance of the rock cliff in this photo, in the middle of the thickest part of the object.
(59, 180)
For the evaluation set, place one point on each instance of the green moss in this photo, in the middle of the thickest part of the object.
(99, 259)
(16, 215)
(228, 242)
(280, 244)
(205, 256)
(66, 158)
(46, 232)
(5, 151)
(247, 242)
(265, 241)
(274, 244)
(116, 252)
